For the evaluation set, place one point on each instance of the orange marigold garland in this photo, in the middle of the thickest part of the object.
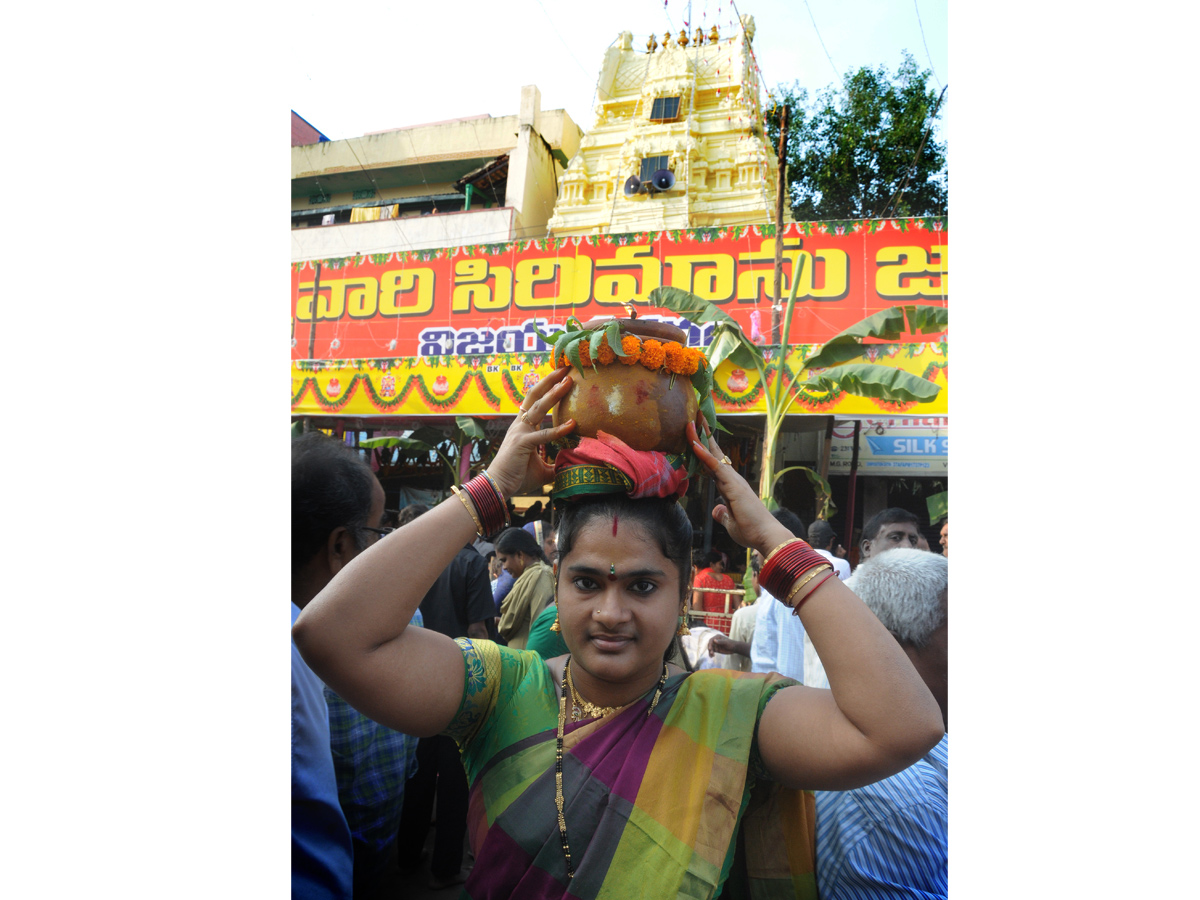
(605, 354)
(653, 355)
(676, 357)
(633, 350)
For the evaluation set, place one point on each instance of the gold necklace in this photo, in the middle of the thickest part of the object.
(580, 708)
(568, 685)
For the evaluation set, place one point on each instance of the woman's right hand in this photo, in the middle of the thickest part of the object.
(742, 514)
(518, 467)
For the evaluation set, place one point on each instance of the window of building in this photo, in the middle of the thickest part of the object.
(650, 165)
(665, 109)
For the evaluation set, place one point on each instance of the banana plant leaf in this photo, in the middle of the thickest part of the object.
(408, 445)
(471, 427)
(820, 486)
(880, 382)
(887, 325)
(938, 505)
(688, 305)
(728, 340)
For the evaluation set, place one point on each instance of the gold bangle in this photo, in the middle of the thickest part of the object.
(461, 495)
(780, 547)
(817, 570)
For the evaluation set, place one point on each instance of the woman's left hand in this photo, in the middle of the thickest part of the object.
(518, 466)
(742, 514)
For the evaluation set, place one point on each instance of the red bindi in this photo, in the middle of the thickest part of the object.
(615, 518)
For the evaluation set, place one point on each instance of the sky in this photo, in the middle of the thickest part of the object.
(445, 61)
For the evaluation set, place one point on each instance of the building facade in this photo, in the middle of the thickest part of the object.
(688, 107)
(481, 179)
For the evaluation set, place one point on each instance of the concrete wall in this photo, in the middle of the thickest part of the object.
(532, 184)
(443, 230)
(453, 140)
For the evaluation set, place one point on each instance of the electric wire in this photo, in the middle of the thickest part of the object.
(917, 155)
(928, 55)
(822, 40)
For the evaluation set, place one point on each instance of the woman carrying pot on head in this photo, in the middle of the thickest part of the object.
(605, 772)
(520, 554)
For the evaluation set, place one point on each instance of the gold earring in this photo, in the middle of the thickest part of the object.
(555, 626)
(683, 622)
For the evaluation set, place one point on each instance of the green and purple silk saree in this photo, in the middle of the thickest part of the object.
(674, 804)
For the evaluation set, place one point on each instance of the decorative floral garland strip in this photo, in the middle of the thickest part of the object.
(805, 397)
(931, 370)
(808, 399)
(489, 396)
(388, 404)
(444, 403)
(515, 394)
(304, 386)
(323, 400)
(738, 402)
(674, 235)
(894, 406)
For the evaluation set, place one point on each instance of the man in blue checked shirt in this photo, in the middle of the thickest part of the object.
(348, 772)
(372, 763)
(888, 839)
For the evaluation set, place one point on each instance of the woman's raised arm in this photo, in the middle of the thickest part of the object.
(354, 633)
(877, 718)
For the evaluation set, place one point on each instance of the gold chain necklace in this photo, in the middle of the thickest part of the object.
(580, 708)
(568, 685)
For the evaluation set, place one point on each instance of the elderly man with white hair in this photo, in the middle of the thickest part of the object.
(888, 839)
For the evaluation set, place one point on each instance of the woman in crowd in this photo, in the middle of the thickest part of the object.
(520, 553)
(606, 773)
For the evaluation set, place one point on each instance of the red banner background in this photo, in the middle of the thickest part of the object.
(486, 299)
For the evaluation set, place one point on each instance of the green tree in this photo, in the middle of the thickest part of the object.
(866, 149)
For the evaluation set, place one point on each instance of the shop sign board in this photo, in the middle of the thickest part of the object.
(893, 446)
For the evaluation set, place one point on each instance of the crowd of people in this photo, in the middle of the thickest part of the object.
(531, 688)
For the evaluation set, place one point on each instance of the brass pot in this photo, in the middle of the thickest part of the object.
(640, 407)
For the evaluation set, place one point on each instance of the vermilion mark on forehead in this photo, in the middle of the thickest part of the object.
(615, 518)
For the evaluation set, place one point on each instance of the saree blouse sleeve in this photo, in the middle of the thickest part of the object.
(755, 765)
(506, 695)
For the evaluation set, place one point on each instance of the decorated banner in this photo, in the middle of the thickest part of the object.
(484, 301)
(494, 384)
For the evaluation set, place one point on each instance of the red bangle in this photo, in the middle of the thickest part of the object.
(496, 488)
(813, 590)
(493, 514)
(786, 564)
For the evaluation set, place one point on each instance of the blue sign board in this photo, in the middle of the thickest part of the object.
(889, 445)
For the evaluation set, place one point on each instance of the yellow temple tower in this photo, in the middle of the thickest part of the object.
(686, 111)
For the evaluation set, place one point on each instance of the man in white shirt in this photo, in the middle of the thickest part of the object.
(778, 642)
(822, 536)
(891, 529)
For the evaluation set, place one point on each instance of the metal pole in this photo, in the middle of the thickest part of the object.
(312, 321)
(710, 497)
(850, 491)
(780, 190)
